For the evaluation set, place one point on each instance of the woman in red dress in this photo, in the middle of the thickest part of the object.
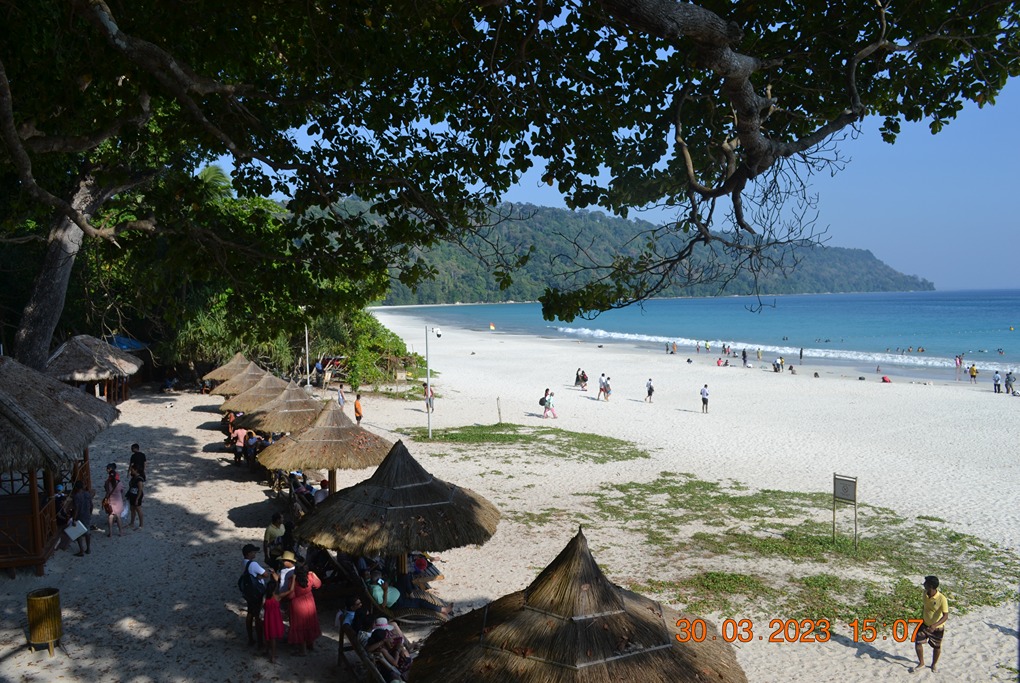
(304, 618)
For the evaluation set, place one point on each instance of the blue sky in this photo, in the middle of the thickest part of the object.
(943, 207)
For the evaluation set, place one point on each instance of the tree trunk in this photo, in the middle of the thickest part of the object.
(43, 310)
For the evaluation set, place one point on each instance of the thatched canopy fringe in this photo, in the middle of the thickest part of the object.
(293, 410)
(332, 442)
(234, 366)
(264, 391)
(398, 509)
(87, 359)
(569, 627)
(242, 381)
(45, 423)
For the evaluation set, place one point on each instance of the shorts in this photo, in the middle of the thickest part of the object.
(254, 606)
(932, 635)
(704, 401)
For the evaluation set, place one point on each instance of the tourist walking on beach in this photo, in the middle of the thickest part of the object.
(340, 398)
(602, 386)
(304, 617)
(134, 496)
(609, 388)
(113, 503)
(973, 372)
(358, 413)
(934, 613)
(137, 460)
(704, 399)
(997, 382)
(1010, 380)
(253, 617)
(81, 511)
(650, 389)
(430, 397)
(549, 407)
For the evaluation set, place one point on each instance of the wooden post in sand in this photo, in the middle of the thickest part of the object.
(845, 489)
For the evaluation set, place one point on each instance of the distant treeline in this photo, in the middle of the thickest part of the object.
(463, 278)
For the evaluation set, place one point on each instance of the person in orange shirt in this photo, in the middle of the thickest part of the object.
(358, 414)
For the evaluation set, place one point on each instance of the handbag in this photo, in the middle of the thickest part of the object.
(76, 530)
(107, 508)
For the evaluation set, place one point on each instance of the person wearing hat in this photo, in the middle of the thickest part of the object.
(934, 614)
(253, 618)
(388, 643)
(287, 561)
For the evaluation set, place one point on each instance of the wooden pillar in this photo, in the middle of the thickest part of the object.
(36, 527)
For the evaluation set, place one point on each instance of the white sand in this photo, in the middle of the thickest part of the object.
(161, 604)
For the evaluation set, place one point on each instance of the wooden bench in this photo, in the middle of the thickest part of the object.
(412, 616)
(348, 635)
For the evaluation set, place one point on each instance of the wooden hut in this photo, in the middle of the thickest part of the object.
(91, 363)
(45, 428)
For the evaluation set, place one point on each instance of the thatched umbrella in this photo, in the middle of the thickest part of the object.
(87, 359)
(234, 366)
(292, 410)
(45, 423)
(398, 509)
(242, 381)
(264, 391)
(572, 625)
(333, 442)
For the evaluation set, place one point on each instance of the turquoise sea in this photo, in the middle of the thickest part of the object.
(862, 331)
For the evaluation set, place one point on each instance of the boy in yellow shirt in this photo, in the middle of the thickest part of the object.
(934, 614)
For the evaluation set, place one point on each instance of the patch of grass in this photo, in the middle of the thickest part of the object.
(538, 441)
(538, 518)
(893, 552)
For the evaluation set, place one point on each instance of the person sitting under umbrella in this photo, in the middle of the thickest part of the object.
(384, 594)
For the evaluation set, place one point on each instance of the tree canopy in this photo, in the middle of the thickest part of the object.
(429, 110)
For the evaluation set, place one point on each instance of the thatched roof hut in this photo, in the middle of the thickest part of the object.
(572, 625)
(234, 366)
(242, 381)
(45, 423)
(292, 410)
(87, 359)
(264, 391)
(398, 509)
(332, 442)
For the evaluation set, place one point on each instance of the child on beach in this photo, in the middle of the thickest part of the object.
(272, 619)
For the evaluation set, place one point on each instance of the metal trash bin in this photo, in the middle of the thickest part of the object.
(45, 624)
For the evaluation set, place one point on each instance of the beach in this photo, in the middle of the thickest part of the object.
(161, 604)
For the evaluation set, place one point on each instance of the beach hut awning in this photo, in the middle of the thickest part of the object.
(45, 423)
(240, 382)
(264, 391)
(291, 411)
(571, 625)
(332, 442)
(87, 359)
(234, 366)
(400, 508)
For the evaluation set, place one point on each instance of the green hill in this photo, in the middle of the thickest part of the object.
(462, 277)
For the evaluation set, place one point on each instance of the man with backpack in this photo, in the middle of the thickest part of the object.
(253, 588)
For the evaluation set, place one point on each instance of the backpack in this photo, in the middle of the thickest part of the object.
(541, 401)
(251, 588)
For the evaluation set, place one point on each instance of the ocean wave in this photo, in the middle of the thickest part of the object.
(769, 351)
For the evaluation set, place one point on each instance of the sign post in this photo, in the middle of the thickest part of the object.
(844, 489)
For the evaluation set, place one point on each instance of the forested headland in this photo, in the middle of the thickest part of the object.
(554, 235)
